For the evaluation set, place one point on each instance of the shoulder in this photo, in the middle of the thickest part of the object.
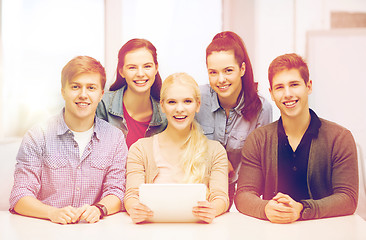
(215, 146)
(264, 132)
(109, 95)
(266, 105)
(332, 129)
(107, 130)
(143, 144)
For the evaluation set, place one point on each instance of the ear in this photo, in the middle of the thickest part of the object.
(310, 86)
(242, 69)
(63, 92)
(270, 92)
(120, 71)
(162, 106)
(198, 107)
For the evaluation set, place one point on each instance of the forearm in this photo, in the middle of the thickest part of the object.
(219, 205)
(129, 203)
(112, 203)
(250, 204)
(32, 207)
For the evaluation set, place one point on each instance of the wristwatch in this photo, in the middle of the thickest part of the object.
(102, 209)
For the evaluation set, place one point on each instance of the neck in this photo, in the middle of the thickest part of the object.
(78, 125)
(229, 102)
(174, 136)
(296, 126)
(136, 103)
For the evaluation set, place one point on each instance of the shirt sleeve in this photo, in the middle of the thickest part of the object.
(265, 116)
(344, 179)
(135, 175)
(218, 179)
(251, 183)
(28, 167)
(115, 180)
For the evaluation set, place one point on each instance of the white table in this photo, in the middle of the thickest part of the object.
(228, 226)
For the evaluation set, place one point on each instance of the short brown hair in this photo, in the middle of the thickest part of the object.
(287, 62)
(80, 65)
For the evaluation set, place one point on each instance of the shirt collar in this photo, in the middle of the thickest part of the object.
(215, 105)
(313, 128)
(63, 129)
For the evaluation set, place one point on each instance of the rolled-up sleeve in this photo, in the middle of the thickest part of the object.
(28, 168)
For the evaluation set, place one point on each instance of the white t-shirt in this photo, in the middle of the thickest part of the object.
(83, 138)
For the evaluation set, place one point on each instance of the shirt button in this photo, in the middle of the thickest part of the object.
(76, 145)
(77, 189)
(294, 168)
(294, 155)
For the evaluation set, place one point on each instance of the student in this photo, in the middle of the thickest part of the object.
(179, 154)
(132, 104)
(72, 168)
(304, 167)
(231, 107)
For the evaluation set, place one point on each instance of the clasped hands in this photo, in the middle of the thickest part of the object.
(204, 211)
(283, 209)
(67, 215)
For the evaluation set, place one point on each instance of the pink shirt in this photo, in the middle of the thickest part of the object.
(167, 172)
(50, 169)
(136, 129)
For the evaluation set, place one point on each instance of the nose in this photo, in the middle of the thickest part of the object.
(83, 93)
(140, 72)
(288, 92)
(180, 107)
(221, 78)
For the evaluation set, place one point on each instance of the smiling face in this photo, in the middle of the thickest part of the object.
(82, 95)
(225, 74)
(139, 70)
(290, 93)
(180, 106)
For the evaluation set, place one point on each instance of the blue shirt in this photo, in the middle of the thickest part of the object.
(230, 131)
(110, 109)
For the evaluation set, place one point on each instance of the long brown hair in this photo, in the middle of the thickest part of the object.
(230, 41)
(129, 46)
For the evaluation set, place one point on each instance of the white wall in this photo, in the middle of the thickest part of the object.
(279, 27)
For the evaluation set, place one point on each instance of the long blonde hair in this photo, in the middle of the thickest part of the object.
(194, 161)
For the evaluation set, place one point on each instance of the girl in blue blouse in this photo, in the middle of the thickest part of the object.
(231, 107)
(132, 104)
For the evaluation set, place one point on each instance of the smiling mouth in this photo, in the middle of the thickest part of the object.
(82, 104)
(140, 81)
(180, 117)
(224, 87)
(290, 103)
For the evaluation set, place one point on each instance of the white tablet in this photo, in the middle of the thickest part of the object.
(172, 202)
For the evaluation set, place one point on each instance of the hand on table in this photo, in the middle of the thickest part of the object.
(64, 215)
(204, 211)
(139, 213)
(283, 209)
(90, 214)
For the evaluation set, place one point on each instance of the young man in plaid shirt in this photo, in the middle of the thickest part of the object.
(72, 168)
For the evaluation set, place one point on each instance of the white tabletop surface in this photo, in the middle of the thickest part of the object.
(228, 226)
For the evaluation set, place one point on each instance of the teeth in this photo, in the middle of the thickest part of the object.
(141, 81)
(223, 87)
(83, 104)
(290, 103)
(180, 117)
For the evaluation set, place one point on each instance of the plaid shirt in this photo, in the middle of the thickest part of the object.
(50, 169)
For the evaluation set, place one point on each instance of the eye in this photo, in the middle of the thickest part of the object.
(278, 88)
(294, 84)
(229, 70)
(131, 68)
(74, 86)
(92, 88)
(211, 72)
(188, 101)
(148, 66)
(171, 102)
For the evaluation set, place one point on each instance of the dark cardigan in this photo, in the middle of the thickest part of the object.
(332, 172)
